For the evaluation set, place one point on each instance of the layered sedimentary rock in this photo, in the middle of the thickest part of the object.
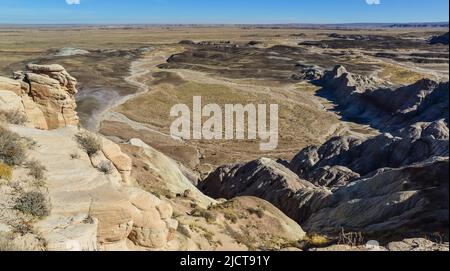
(367, 100)
(363, 156)
(407, 201)
(268, 180)
(47, 93)
(393, 185)
(403, 201)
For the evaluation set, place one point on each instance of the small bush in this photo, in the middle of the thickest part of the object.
(12, 148)
(106, 167)
(256, 211)
(209, 216)
(13, 117)
(89, 143)
(5, 172)
(23, 228)
(232, 217)
(33, 203)
(75, 156)
(36, 169)
(353, 239)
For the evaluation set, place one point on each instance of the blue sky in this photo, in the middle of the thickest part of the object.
(221, 11)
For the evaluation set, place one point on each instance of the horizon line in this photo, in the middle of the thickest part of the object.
(225, 24)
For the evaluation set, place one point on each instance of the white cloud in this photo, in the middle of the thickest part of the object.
(73, 2)
(373, 2)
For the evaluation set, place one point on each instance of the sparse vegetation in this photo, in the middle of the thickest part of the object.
(232, 217)
(35, 169)
(33, 203)
(351, 238)
(243, 238)
(75, 156)
(89, 143)
(12, 148)
(23, 228)
(106, 167)
(317, 240)
(5, 172)
(256, 211)
(209, 216)
(13, 117)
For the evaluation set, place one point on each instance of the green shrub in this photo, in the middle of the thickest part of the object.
(33, 203)
(35, 169)
(12, 148)
(89, 143)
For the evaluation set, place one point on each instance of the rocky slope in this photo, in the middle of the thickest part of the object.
(385, 108)
(442, 39)
(390, 186)
(89, 193)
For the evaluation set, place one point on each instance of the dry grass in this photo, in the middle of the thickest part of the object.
(256, 211)
(317, 240)
(300, 125)
(13, 117)
(209, 216)
(399, 75)
(33, 203)
(89, 143)
(5, 172)
(35, 169)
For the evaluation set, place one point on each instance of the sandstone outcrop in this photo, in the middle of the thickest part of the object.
(47, 93)
(90, 209)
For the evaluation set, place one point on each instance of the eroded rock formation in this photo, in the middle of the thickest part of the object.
(47, 93)
(392, 186)
(367, 100)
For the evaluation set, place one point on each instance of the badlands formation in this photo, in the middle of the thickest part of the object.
(94, 199)
(363, 155)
